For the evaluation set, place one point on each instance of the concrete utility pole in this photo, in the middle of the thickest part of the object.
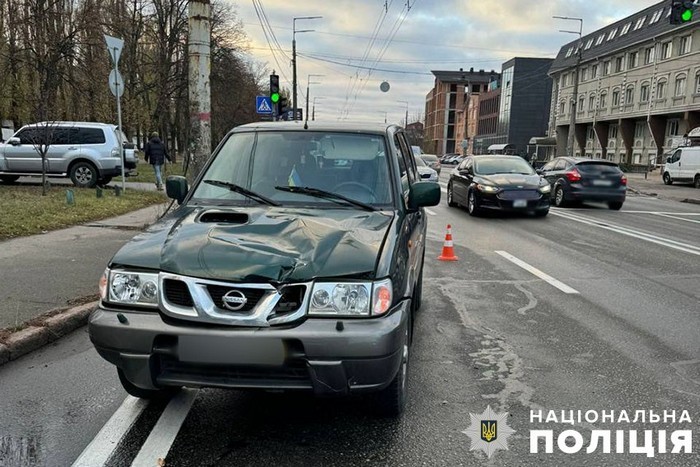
(294, 59)
(199, 89)
(308, 82)
(574, 99)
(313, 112)
(406, 121)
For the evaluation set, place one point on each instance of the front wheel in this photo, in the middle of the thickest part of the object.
(667, 179)
(450, 197)
(9, 179)
(559, 197)
(615, 205)
(473, 204)
(696, 184)
(391, 401)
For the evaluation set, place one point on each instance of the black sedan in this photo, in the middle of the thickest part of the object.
(576, 179)
(498, 182)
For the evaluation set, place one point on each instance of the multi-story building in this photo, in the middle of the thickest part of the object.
(639, 88)
(443, 102)
(520, 109)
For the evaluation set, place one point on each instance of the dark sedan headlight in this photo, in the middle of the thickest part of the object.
(487, 188)
(546, 188)
(129, 288)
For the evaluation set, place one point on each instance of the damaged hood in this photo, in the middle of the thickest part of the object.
(260, 244)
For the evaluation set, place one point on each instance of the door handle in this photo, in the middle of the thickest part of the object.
(72, 148)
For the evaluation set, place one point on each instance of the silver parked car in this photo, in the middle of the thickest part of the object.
(88, 153)
(427, 174)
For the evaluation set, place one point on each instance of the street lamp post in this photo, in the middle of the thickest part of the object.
(405, 102)
(294, 59)
(308, 82)
(574, 100)
(313, 111)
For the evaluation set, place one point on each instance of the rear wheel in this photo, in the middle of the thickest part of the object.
(667, 179)
(9, 178)
(559, 197)
(696, 184)
(615, 205)
(450, 197)
(83, 175)
(473, 204)
(136, 391)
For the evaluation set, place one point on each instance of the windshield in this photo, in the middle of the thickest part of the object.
(503, 165)
(350, 165)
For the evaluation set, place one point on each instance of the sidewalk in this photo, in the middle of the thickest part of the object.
(61, 268)
(653, 185)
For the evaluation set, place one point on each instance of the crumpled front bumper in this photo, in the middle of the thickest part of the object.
(326, 356)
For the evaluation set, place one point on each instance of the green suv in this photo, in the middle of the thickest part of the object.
(294, 262)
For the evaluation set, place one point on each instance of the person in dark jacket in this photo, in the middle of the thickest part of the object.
(156, 154)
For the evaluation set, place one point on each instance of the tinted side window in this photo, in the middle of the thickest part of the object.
(61, 136)
(408, 157)
(90, 136)
(560, 165)
(27, 136)
(676, 156)
(548, 166)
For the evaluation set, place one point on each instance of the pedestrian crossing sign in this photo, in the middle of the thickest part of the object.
(263, 105)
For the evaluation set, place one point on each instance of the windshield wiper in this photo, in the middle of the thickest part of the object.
(327, 195)
(243, 191)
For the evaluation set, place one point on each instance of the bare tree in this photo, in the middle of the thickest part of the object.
(42, 135)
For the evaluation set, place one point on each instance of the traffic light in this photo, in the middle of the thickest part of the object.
(282, 106)
(681, 11)
(274, 89)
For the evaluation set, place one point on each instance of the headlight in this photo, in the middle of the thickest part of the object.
(545, 188)
(487, 188)
(351, 298)
(130, 288)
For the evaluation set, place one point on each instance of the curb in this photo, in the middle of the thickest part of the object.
(44, 332)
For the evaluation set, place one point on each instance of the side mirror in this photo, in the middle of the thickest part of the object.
(176, 188)
(539, 171)
(668, 160)
(14, 141)
(424, 194)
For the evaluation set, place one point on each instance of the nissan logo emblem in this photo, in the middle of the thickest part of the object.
(234, 300)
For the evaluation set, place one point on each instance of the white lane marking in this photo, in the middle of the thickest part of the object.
(163, 435)
(533, 270)
(431, 212)
(677, 218)
(103, 445)
(685, 247)
(624, 211)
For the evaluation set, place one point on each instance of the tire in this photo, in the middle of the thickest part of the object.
(696, 183)
(542, 213)
(667, 179)
(83, 175)
(559, 197)
(9, 179)
(149, 394)
(615, 205)
(391, 401)
(104, 181)
(450, 197)
(473, 204)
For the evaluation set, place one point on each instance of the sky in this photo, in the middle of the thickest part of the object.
(407, 45)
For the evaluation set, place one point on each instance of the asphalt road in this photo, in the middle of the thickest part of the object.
(612, 326)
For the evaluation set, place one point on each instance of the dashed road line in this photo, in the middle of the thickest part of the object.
(533, 270)
(677, 218)
(431, 212)
(103, 445)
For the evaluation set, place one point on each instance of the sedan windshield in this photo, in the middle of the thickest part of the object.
(353, 166)
(503, 165)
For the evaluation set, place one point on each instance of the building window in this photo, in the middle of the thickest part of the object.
(661, 90)
(603, 100)
(600, 39)
(685, 45)
(666, 49)
(588, 44)
(640, 23)
(656, 16)
(639, 130)
(648, 55)
(680, 86)
(562, 108)
(563, 80)
(633, 58)
(591, 133)
(626, 29)
(697, 82)
(606, 68)
(644, 93)
(629, 95)
(672, 127)
(594, 71)
(581, 103)
(569, 52)
(591, 102)
(612, 34)
(619, 64)
(612, 132)
(616, 98)
(584, 75)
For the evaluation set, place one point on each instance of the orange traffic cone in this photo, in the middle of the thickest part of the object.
(448, 250)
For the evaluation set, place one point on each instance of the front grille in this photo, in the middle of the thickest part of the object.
(291, 299)
(253, 296)
(177, 293)
(510, 195)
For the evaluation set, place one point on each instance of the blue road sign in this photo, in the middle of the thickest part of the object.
(263, 105)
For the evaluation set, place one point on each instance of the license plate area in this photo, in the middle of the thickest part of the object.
(231, 350)
(520, 203)
(599, 182)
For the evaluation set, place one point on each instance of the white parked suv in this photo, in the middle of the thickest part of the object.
(683, 166)
(86, 152)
